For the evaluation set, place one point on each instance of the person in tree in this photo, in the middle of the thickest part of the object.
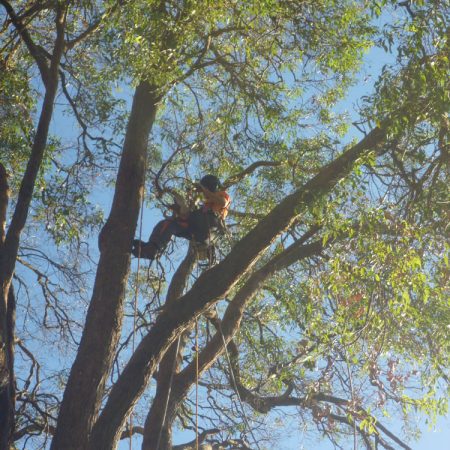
(194, 225)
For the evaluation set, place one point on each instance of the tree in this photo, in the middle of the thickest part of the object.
(45, 49)
(228, 83)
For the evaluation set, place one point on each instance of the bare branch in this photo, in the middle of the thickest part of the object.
(95, 26)
(135, 430)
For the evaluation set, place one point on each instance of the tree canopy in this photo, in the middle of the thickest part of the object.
(325, 313)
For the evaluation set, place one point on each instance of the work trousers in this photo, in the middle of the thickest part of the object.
(198, 226)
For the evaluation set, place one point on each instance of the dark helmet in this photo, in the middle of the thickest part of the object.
(210, 182)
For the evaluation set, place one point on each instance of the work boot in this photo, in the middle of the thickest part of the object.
(148, 249)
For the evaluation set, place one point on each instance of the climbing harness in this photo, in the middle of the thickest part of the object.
(207, 250)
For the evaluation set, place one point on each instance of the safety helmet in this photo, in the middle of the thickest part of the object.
(210, 182)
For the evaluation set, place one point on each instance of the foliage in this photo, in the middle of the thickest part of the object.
(346, 337)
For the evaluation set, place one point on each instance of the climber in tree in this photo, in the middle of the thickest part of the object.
(192, 225)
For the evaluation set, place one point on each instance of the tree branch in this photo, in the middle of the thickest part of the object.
(83, 394)
(37, 152)
(35, 50)
(93, 27)
(158, 424)
(135, 430)
(201, 438)
(215, 284)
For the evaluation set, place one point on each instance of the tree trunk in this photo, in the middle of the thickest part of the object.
(4, 199)
(213, 285)
(10, 241)
(84, 390)
(10, 247)
(7, 380)
(158, 425)
(6, 339)
(158, 429)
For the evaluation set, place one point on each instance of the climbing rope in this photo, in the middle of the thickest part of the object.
(233, 378)
(136, 291)
(196, 384)
(168, 392)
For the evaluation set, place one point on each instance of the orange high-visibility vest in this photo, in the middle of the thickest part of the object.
(221, 211)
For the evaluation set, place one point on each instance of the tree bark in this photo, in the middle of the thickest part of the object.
(8, 255)
(84, 390)
(6, 340)
(213, 285)
(7, 378)
(4, 200)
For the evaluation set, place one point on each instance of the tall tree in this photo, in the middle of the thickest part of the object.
(336, 243)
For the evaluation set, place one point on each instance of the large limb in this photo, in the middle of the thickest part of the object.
(7, 377)
(213, 285)
(36, 51)
(235, 310)
(4, 199)
(11, 242)
(88, 375)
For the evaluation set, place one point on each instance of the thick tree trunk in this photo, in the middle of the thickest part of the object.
(7, 378)
(86, 382)
(159, 422)
(6, 337)
(4, 199)
(213, 285)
